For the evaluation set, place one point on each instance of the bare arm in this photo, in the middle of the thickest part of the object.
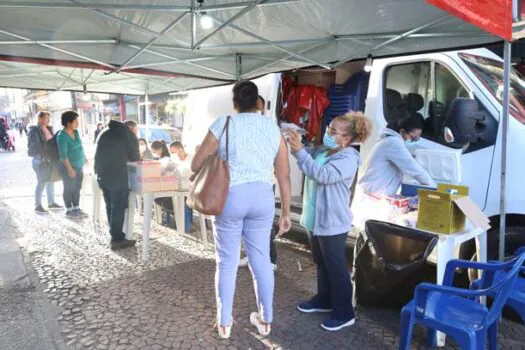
(282, 173)
(209, 146)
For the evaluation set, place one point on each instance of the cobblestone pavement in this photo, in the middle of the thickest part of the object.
(112, 300)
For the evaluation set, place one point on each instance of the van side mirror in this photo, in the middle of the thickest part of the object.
(466, 122)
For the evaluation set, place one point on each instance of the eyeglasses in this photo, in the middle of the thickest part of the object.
(331, 131)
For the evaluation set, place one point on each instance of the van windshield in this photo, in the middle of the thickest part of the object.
(490, 73)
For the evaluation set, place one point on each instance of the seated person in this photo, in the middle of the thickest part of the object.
(159, 150)
(177, 149)
(145, 153)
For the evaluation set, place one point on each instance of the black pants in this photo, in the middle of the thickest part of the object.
(116, 204)
(334, 288)
(72, 186)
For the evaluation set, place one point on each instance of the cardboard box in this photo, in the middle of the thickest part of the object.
(169, 183)
(147, 185)
(144, 176)
(446, 210)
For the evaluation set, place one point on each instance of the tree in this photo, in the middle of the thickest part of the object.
(176, 106)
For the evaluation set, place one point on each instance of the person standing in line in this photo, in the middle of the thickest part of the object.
(330, 171)
(99, 128)
(261, 106)
(72, 160)
(255, 148)
(42, 165)
(116, 146)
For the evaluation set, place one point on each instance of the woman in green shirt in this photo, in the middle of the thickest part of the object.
(72, 159)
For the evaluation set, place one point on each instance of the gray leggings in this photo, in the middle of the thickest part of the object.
(248, 215)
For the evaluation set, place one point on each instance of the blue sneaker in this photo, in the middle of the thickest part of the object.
(308, 308)
(335, 325)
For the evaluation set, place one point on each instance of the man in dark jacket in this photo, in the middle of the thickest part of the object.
(42, 164)
(116, 145)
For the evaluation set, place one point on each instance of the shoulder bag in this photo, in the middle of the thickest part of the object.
(210, 187)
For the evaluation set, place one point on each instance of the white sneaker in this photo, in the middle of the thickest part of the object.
(274, 267)
(243, 262)
(264, 329)
(224, 331)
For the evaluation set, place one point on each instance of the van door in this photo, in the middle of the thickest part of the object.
(426, 90)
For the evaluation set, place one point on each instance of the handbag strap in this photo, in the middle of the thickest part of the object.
(227, 129)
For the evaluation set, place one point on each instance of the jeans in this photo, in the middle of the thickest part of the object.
(72, 186)
(248, 215)
(334, 288)
(116, 204)
(43, 182)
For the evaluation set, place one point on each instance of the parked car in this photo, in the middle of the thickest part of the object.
(159, 133)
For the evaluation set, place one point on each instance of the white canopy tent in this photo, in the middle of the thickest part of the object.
(149, 47)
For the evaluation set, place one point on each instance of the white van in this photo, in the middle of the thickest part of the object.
(425, 85)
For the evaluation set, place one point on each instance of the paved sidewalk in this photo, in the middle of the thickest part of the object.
(27, 319)
(112, 300)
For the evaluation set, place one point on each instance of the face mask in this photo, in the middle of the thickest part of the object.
(329, 141)
(410, 143)
(411, 146)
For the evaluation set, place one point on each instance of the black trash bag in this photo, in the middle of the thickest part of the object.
(390, 263)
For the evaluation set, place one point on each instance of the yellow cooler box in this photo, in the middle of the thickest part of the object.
(446, 210)
(438, 211)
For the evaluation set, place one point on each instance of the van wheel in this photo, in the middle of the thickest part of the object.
(514, 239)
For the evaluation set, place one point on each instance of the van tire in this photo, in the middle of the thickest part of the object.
(514, 239)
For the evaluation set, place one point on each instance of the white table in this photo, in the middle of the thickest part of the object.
(178, 209)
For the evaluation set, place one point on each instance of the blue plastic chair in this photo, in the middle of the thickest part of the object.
(455, 311)
(516, 300)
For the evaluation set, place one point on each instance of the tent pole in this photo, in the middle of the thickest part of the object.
(504, 134)
(146, 109)
(238, 67)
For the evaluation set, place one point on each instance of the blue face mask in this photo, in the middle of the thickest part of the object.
(410, 143)
(329, 141)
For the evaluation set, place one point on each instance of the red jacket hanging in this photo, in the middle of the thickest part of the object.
(306, 99)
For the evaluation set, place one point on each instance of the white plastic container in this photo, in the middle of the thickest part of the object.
(442, 166)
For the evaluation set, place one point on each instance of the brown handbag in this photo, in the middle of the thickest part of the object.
(209, 189)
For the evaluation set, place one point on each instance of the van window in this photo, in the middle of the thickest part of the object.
(490, 73)
(411, 90)
(447, 87)
(407, 92)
